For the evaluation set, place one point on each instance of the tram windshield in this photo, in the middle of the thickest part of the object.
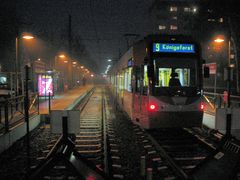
(176, 75)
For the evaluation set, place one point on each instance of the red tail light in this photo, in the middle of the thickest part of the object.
(202, 106)
(152, 107)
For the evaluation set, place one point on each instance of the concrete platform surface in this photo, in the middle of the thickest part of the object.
(62, 101)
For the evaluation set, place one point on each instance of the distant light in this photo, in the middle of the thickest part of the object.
(27, 37)
(109, 60)
(65, 61)
(194, 9)
(202, 106)
(49, 71)
(39, 59)
(82, 67)
(92, 75)
(74, 62)
(219, 40)
(62, 56)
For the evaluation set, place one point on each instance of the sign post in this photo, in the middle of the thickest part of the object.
(213, 70)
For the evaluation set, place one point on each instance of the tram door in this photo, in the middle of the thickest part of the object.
(144, 99)
(137, 95)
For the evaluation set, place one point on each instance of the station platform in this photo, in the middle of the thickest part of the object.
(62, 101)
(58, 102)
(215, 117)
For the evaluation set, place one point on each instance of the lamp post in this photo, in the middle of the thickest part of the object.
(17, 41)
(228, 78)
(62, 56)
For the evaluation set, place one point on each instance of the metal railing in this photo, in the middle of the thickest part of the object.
(12, 111)
(217, 100)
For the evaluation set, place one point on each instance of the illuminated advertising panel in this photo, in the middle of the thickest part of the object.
(45, 85)
(3, 79)
(173, 48)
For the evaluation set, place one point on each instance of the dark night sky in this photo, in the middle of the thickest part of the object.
(100, 24)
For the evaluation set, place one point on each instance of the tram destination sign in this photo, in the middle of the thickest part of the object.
(173, 48)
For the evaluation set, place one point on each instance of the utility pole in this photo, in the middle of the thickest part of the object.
(228, 78)
(17, 63)
(70, 50)
(26, 114)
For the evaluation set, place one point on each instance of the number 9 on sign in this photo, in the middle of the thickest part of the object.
(157, 47)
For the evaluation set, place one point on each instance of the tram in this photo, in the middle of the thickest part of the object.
(158, 82)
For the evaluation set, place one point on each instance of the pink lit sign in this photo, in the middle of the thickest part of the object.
(45, 85)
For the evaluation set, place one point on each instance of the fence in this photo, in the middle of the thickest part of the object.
(217, 100)
(12, 111)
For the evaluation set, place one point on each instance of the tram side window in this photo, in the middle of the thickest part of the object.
(128, 79)
(138, 77)
(121, 81)
(145, 80)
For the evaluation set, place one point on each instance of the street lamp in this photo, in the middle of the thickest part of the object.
(228, 79)
(62, 56)
(27, 37)
(219, 40)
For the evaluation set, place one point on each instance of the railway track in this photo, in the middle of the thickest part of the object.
(164, 154)
(182, 149)
(171, 153)
(123, 150)
(90, 142)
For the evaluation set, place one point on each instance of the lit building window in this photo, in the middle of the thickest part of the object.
(173, 8)
(173, 27)
(211, 20)
(194, 9)
(187, 9)
(210, 10)
(162, 27)
(175, 17)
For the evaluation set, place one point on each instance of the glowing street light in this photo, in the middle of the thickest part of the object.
(219, 40)
(62, 56)
(26, 37)
(109, 60)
